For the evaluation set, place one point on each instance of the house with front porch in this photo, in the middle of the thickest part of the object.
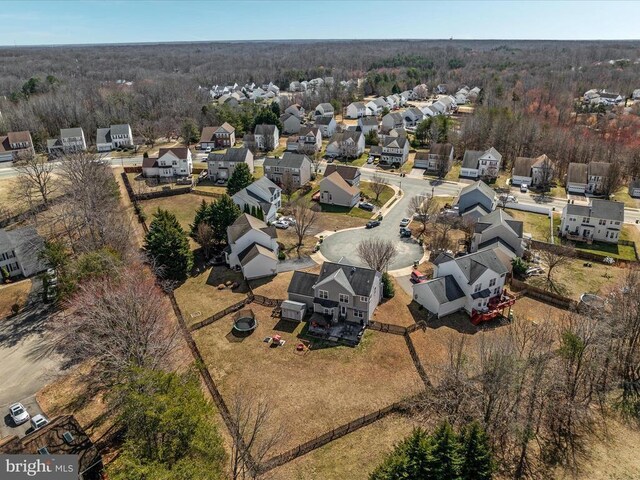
(601, 221)
(587, 178)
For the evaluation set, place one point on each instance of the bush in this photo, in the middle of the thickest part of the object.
(281, 256)
(15, 308)
(388, 290)
(519, 266)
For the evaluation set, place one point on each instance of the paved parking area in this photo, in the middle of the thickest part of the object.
(8, 428)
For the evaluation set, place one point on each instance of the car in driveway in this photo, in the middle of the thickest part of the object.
(405, 232)
(405, 222)
(207, 150)
(524, 188)
(281, 224)
(418, 277)
(372, 224)
(39, 421)
(18, 413)
(366, 206)
(534, 271)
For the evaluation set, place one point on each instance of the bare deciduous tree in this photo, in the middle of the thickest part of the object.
(36, 175)
(378, 184)
(612, 180)
(554, 256)
(421, 208)
(287, 185)
(377, 253)
(206, 238)
(305, 213)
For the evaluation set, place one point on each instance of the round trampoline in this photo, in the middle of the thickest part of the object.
(245, 321)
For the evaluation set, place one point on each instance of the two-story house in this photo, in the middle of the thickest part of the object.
(601, 221)
(476, 200)
(71, 140)
(252, 247)
(295, 110)
(219, 136)
(587, 178)
(349, 144)
(265, 137)
(367, 124)
(290, 123)
(395, 151)
(341, 299)
(327, 125)
(473, 283)
(309, 140)
(498, 229)
(262, 194)
(481, 164)
(437, 161)
(340, 185)
(323, 110)
(220, 166)
(392, 120)
(116, 136)
(413, 116)
(20, 250)
(15, 144)
(357, 110)
(297, 165)
(170, 162)
(532, 172)
(377, 105)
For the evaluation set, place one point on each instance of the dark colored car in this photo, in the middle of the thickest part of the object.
(366, 206)
(405, 233)
(372, 224)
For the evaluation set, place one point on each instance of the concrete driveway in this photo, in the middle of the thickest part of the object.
(27, 361)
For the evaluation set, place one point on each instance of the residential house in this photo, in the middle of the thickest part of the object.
(252, 247)
(479, 164)
(474, 93)
(341, 300)
(601, 221)
(15, 144)
(393, 101)
(220, 166)
(395, 151)
(296, 86)
(295, 110)
(532, 171)
(366, 124)
(441, 89)
(20, 250)
(297, 165)
(170, 162)
(349, 144)
(634, 188)
(602, 97)
(437, 160)
(309, 140)
(324, 110)
(420, 92)
(473, 283)
(223, 136)
(499, 230)
(71, 140)
(116, 136)
(262, 194)
(406, 96)
(377, 105)
(587, 178)
(476, 200)
(327, 126)
(394, 132)
(392, 120)
(340, 187)
(265, 137)
(413, 116)
(290, 123)
(636, 95)
(62, 436)
(357, 110)
(431, 111)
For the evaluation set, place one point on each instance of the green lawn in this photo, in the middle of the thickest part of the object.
(408, 165)
(624, 252)
(536, 224)
(453, 174)
(385, 196)
(258, 172)
(622, 195)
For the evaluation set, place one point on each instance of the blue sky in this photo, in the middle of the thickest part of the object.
(71, 22)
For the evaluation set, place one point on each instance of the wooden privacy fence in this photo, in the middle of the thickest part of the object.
(543, 295)
(387, 328)
(328, 437)
(218, 315)
(581, 254)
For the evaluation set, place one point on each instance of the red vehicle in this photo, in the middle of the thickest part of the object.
(418, 277)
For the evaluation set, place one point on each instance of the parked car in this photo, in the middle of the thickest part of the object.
(372, 224)
(405, 222)
(289, 220)
(524, 188)
(608, 260)
(418, 277)
(534, 271)
(370, 160)
(281, 224)
(366, 206)
(508, 198)
(39, 421)
(207, 150)
(405, 232)
(220, 181)
(18, 413)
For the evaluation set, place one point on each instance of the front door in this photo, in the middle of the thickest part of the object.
(343, 310)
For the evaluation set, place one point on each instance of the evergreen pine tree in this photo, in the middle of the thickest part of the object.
(240, 178)
(246, 209)
(446, 459)
(223, 213)
(259, 213)
(410, 459)
(202, 213)
(168, 245)
(477, 463)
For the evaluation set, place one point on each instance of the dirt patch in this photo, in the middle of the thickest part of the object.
(312, 391)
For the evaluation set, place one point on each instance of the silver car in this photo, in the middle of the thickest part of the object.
(39, 421)
(19, 414)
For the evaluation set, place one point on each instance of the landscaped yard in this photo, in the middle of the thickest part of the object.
(623, 196)
(312, 391)
(537, 224)
(182, 206)
(200, 298)
(210, 187)
(346, 458)
(11, 294)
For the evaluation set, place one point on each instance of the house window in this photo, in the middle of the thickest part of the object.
(602, 222)
(358, 314)
(477, 288)
(344, 298)
(323, 294)
(328, 311)
(585, 219)
(364, 299)
(492, 282)
(496, 291)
